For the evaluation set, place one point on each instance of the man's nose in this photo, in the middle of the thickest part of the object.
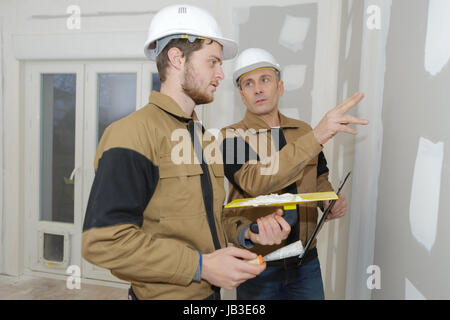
(258, 89)
(219, 74)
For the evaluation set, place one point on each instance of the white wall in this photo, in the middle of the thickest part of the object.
(401, 165)
(367, 154)
(412, 238)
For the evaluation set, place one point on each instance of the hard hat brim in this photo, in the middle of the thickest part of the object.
(259, 65)
(229, 47)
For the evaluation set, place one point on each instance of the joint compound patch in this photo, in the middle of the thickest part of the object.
(293, 77)
(411, 292)
(241, 15)
(294, 32)
(437, 46)
(425, 192)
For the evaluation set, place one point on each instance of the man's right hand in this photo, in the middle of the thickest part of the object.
(224, 269)
(336, 120)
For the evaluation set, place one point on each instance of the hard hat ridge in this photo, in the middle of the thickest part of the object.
(185, 21)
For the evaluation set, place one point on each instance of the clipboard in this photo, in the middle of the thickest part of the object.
(322, 220)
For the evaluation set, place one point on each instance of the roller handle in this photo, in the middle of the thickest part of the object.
(289, 215)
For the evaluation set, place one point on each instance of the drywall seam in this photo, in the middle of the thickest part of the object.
(368, 149)
(2, 174)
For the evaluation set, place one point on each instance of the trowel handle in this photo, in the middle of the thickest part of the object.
(290, 215)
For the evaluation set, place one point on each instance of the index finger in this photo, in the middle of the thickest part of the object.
(283, 223)
(351, 102)
(353, 120)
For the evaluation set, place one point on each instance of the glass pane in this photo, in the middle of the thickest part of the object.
(58, 92)
(116, 98)
(156, 82)
(53, 247)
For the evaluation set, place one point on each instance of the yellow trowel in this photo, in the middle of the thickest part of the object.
(290, 205)
(287, 201)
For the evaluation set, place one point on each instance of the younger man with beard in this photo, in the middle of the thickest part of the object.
(153, 221)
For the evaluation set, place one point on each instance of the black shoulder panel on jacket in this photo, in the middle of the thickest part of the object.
(123, 186)
(321, 165)
(236, 152)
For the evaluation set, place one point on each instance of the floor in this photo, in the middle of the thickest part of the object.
(53, 289)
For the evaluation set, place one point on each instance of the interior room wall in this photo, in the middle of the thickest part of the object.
(351, 26)
(367, 149)
(1, 143)
(398, 217)
(412, 238)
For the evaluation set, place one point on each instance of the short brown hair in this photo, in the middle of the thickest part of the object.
(185, 46)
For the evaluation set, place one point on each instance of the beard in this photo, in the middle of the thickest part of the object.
(192, 90)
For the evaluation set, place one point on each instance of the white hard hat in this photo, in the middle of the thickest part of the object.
(185, 21)
(252, 59)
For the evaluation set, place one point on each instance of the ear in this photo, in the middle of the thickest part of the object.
(176, 58)
(280, 88)
(242, 96)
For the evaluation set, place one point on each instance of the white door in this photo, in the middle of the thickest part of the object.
(67, 108)
(112, 92)
(53, 157)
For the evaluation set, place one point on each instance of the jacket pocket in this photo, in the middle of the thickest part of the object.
(179, 191)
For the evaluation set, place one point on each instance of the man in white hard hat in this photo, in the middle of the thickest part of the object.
(152, 220)
(301, 168)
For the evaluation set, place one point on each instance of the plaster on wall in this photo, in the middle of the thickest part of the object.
(293, 77)
(411, 292)
(368, 151)
(437, 48)
(412, 233)
(424, 203)
(348, 40)
(240, 16)
(294, 32)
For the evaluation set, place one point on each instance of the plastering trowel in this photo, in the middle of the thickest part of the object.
(296, 248)
(287, 201)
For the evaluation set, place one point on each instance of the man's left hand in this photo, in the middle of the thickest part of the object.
(339, 209)
(273, 229)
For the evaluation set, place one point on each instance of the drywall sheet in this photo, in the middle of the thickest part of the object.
(412, 237)
(339, 248)
(290, 35)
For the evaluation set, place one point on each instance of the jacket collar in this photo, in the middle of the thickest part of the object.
(169, 105)
(253, 121)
